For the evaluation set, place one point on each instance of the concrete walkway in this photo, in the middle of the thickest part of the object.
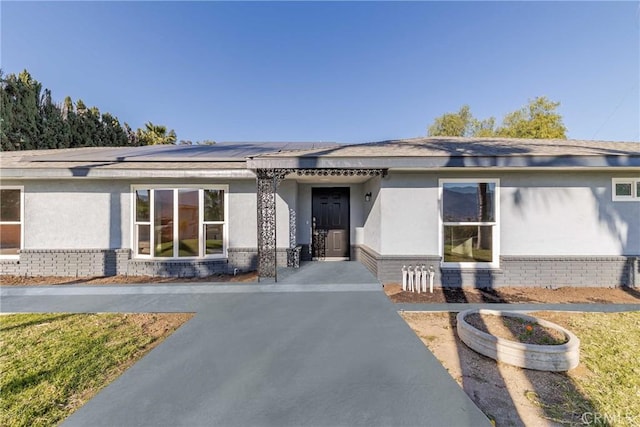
(277, 358)
(586, 307)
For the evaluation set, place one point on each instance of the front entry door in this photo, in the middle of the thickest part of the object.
(330, 222)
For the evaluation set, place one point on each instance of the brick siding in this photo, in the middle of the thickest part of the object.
(537, 271)
(109, 262)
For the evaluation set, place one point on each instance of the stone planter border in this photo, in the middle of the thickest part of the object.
(559, 358)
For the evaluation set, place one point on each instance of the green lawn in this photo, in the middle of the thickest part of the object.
(610, 349)
(52, 363)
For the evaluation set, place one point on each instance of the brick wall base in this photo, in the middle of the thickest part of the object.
(69, 262)
(603, 271)
(109, 262)
(536, 271)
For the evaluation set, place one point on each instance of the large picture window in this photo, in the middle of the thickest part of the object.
(469, 217)
(11, 211)
(185, 222)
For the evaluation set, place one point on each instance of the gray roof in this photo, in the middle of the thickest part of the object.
(226, 151)
(434, 152)
(226, 159)
(236, 157)
(454, 146)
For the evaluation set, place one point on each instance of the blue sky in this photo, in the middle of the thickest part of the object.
(332, 71)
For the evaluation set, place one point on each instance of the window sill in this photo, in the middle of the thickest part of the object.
(184, 260)
(626, 199)
(470, 269)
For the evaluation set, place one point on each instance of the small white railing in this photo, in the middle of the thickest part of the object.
(415, 279)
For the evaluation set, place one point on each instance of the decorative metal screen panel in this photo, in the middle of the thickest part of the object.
(340, 172)
(267, 183)
(268, 180)
(292, 228)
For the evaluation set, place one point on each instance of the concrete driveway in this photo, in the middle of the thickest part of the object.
(339, 358)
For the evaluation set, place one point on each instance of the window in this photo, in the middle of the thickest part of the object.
(185, 222)
(626, 189)
(469, 218)
(11, 213)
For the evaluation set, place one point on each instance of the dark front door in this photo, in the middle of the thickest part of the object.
(330, 222)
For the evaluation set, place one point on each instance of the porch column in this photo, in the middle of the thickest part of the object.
(267, 182)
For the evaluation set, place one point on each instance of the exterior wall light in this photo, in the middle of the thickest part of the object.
(367, 197)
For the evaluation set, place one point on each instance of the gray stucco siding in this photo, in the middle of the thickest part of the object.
(372, 227)
(242, 207)
(569, 213)
(76, 214)
(409, 214)
(542, 213)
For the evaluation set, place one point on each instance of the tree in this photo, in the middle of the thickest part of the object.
(54, 130)
(538, 119)
(453, 124)
(20, 111)
(156, 134)
(132, 136)
(30, 120)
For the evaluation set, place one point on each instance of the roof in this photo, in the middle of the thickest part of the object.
(434, 152)
(236, 159)
(226, 159)
(455, 146)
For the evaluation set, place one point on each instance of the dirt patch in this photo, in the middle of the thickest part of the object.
(508, 395)
(511, 295)
(251, 276)
(515, 329)
(158, 325)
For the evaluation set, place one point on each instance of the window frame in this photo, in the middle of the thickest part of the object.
(495, 225)
(635, 194)
(20, 223)
(201, 223)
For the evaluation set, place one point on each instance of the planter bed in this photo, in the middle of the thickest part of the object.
(559, 357)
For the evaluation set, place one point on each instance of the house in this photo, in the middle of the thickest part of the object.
(484, 212)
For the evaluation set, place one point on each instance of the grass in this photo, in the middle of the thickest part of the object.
(50, 364)
(603, 391)
(610, 345)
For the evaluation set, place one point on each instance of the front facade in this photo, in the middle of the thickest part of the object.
(482, 212)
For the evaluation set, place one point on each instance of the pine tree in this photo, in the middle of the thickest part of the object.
(30, 120)
(55, 132)
(20, 112)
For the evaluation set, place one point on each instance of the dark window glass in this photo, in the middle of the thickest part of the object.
(188, 223)
(213, 238)
(469, 202)
(638, 189)
(142, 205)
(214, 205)
(623, 189)
(144, 239)
(163, 223)
(9, 239)
(9, 205)
(468, 243)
